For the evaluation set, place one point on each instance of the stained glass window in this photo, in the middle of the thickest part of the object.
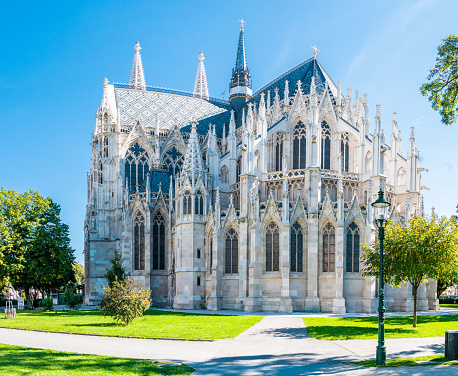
(136, 166)
(344, 151)
(296, 248)
(329, 248)
(278, 152)
(158, 241)
(299, 146)
(199, 203)
(173, 160)
(100, 177)
(232, 252)
(139, 242)
(353, 246)
(187, 208)
(325, 146)
(272, 248)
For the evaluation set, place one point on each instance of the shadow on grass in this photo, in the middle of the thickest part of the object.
(26, 360)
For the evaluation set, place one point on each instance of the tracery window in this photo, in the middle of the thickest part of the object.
(139, 242)
(199, 203)
(239, 168)
(296, 247)
(224, 174)
(329, 248)
(272, 248)
(278, 163)
(136, 166)
(353, 247)
(325, 146)
(299, 146)
(232, 252)
(100, 174)
(158, 241)
(105, 146)
(187, 205)
(344, 151)
(173, 160)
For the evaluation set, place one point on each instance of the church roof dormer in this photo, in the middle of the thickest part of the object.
(137, 77)
(201, 87)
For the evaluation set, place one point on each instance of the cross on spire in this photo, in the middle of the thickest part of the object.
(314, 50)
(242, 22)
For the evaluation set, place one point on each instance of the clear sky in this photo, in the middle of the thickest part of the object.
(54, 56)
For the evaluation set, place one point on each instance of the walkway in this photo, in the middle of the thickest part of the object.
(277, 345)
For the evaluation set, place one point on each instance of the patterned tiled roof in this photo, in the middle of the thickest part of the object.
(170, 107)
(219, 120)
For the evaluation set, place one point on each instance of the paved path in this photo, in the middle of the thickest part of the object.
(277, 345)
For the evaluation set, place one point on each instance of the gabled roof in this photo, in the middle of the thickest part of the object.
(303, 72)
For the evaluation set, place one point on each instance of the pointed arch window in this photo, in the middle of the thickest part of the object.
(296, 247)
(325, 146)
(299, 146)
(344, 151)
(139, 242)
(158, 242)
(210, 253)
(368, 161)
(224, 174)
(232, 252)
(100, 174)
(136, 166)
(272, 248)
(105, 146)
(353, 248)
(173, 160)
(239, 168)
(187, 205)
(199, 203)
(278, 163)
(329, 248)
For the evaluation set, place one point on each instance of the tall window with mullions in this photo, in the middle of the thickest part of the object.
(329, 248)
(272, 248)
(232, 252)
(158, 242)
(139, 242)
(296, 247)
(325, 146)
(353, 248)
(136, 166)
(299, 146)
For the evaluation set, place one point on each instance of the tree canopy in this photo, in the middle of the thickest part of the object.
(34, 244)
(420, 249)
(442, 86)
(116, 272)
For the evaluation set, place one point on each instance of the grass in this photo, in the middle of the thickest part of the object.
(445, 305)
(18, 360)
(153, 324)
(337, 328)
(430, 360)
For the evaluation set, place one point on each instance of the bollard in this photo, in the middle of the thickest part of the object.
(451, 344)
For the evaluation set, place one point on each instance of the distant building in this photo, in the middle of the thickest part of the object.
(258, 203)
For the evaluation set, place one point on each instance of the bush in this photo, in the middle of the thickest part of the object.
(73, 301)
(125, 301)
(46, 304)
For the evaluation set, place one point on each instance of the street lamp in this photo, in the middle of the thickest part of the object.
(381, 213)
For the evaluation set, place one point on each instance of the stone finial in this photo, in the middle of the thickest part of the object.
(200, 86)
(137, 77)
(231, 200)
(377, 112)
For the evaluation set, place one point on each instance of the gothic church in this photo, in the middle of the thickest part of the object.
(258, 203)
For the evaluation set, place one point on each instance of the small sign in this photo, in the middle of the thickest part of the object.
(20, 303)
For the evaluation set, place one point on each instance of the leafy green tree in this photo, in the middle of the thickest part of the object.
(34, 244)
(442, 88)
(116, 272)
(78, 271)
(424, 247)
(125, 301)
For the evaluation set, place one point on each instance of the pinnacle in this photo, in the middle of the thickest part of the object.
(137, 77)
(201, 87)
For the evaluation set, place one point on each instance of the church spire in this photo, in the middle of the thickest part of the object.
(137, 77)
(240, 86)
(193, 165)
(200, 87)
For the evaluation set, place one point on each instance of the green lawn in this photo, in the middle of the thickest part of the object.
(449, 305)
(430, 360)
(18, 360)
(153, 324)
(336, 328)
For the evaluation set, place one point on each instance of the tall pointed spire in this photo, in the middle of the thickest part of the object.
(240, 86)
(137, 77)
(193, 164)
(200, 87)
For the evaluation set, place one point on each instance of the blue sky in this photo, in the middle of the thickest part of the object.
(54, 56)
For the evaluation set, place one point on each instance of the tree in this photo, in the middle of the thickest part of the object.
(117, 272)
(125, 301)
(423, 247)
(442, 88)
(78, 271)
(34, 244)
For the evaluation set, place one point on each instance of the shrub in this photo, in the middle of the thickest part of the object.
(117, 272)
(46, 304)
(72, 301)
(125, 301)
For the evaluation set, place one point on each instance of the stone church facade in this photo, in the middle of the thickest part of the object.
(259, 203)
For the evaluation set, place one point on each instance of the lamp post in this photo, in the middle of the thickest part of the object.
(381, 209)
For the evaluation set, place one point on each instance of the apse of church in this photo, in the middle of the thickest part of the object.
(258, 203)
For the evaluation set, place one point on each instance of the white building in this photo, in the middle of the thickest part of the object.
(256, 203)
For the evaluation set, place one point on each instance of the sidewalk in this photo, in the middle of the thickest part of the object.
(277, 345)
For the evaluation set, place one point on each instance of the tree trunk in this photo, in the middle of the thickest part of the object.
(26, 288)
(415, 288)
